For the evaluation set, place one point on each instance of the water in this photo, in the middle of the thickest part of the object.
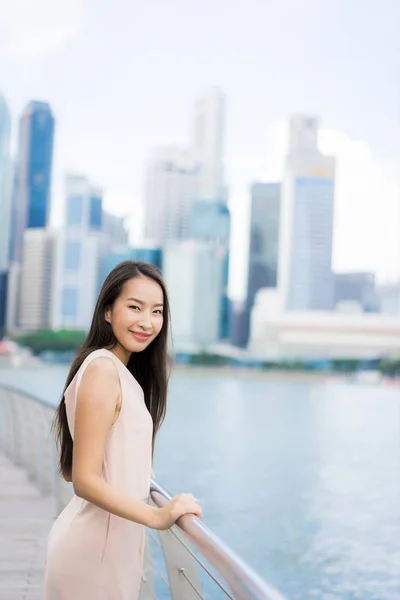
(301, 478)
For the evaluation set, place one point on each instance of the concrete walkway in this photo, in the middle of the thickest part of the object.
(25, 520)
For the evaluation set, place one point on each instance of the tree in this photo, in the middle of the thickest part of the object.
(58, 341)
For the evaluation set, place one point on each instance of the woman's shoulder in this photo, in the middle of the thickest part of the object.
(96, 375)
(100, 359)
(97, 360)
(100, 376)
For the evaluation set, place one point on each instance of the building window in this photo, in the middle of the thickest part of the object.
(75, 210)
(72, 256)
(70, 302)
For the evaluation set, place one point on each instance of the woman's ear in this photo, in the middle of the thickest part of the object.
(107, 316)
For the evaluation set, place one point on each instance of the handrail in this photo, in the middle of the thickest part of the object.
(9, 388)
(243, 582)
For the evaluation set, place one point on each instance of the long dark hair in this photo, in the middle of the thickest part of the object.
(149, 367)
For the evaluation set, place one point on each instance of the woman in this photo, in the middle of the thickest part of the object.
(113, 405)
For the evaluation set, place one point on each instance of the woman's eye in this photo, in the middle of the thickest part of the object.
(134, 307)
(158, 312)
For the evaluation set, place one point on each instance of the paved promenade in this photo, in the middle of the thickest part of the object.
(25, 520)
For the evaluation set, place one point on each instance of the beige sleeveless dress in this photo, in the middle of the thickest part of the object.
(92, 554)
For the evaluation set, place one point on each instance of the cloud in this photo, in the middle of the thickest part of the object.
(367, 207)
(29, 30)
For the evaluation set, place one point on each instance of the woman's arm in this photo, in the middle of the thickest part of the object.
(95, 411)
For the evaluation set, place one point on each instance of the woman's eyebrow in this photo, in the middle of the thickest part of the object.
(141, 302)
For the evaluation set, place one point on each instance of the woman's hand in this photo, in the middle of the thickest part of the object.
(179, 505)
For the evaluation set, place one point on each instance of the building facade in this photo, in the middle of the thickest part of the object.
(79, 257)
(305, 275)
(263, 250)
(359, 288)
(115, 231)
(239, 323)
(31, 206)
(389, 298)
(172, 178)
(320, 335)
(36, 280)
(264, 237)
(152, 255)
(5, 206)
(194, 273)
(210, 222)
(5, 184)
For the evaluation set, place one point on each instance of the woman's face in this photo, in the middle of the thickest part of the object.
(136, 316)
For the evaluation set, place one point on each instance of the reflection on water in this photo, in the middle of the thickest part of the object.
(302, 478)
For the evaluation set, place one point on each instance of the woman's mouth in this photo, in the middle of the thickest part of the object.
(141, 337)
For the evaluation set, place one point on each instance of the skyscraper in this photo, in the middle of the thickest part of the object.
(5, 205)
(145, 253)
(33, 177)
(171, 189)
(210, 221)
(116, 232)
(264, 245)
(79, 254)
(5, 195)
(264, 237)
(208, 144)
(210, 218)
(36, 275)
(196, 303)
(305, 277)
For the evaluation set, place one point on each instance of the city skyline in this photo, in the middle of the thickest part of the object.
(354, 153)
(108, 119)
(354, 157)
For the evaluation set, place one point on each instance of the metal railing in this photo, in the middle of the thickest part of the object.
(186, 562)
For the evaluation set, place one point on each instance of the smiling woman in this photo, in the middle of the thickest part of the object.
(113, 404)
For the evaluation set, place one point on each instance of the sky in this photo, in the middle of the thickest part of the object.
(122, 77)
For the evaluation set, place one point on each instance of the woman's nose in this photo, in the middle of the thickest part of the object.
(145, 321)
